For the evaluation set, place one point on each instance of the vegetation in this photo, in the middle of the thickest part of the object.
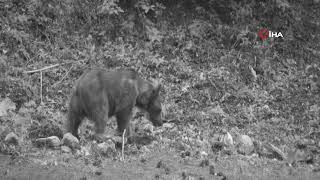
(217, 74)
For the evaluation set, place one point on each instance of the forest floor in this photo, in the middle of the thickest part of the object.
(55, 165)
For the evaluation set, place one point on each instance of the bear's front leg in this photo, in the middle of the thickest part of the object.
(99, 116)
(123, 121)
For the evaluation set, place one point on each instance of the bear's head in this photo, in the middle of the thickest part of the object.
(149, 100)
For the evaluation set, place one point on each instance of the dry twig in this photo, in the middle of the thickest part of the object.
(122, 151)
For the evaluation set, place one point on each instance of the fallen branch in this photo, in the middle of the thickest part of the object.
(42, 69)
(52, 66)
(278, 151)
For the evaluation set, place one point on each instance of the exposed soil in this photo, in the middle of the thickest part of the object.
(56, 165)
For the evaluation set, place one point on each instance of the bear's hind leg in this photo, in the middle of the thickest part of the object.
(75, 116)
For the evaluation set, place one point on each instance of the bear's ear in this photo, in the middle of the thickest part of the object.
(156, 88)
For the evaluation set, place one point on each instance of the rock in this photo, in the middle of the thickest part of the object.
(70, 141)
(148, 128)
(52, 141)
(144, 149)
(85, 151)
(168, 125)
(203, 154)
(65, 149)
(12, 138)
(227, 139)
(245, 145)
(107, 148)
(30, 104)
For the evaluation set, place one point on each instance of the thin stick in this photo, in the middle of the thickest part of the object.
(41, 87)
(55, 65)
(122, 151)
(42, 69)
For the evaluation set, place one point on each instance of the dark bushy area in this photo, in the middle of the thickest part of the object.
(216, 72)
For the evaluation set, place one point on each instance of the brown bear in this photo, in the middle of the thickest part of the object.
(100, 94)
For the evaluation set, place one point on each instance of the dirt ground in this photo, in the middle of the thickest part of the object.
(53, 164)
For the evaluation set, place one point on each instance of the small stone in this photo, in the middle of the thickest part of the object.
(148, 128)
(168, 125)
(70, 141)
(144, 149)
(65, 149)
(52, 141)
(30, 104)
(227, 139)
(85, 151)
(107, 148)
(203, 154)
(12, 138)
(246, 145)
